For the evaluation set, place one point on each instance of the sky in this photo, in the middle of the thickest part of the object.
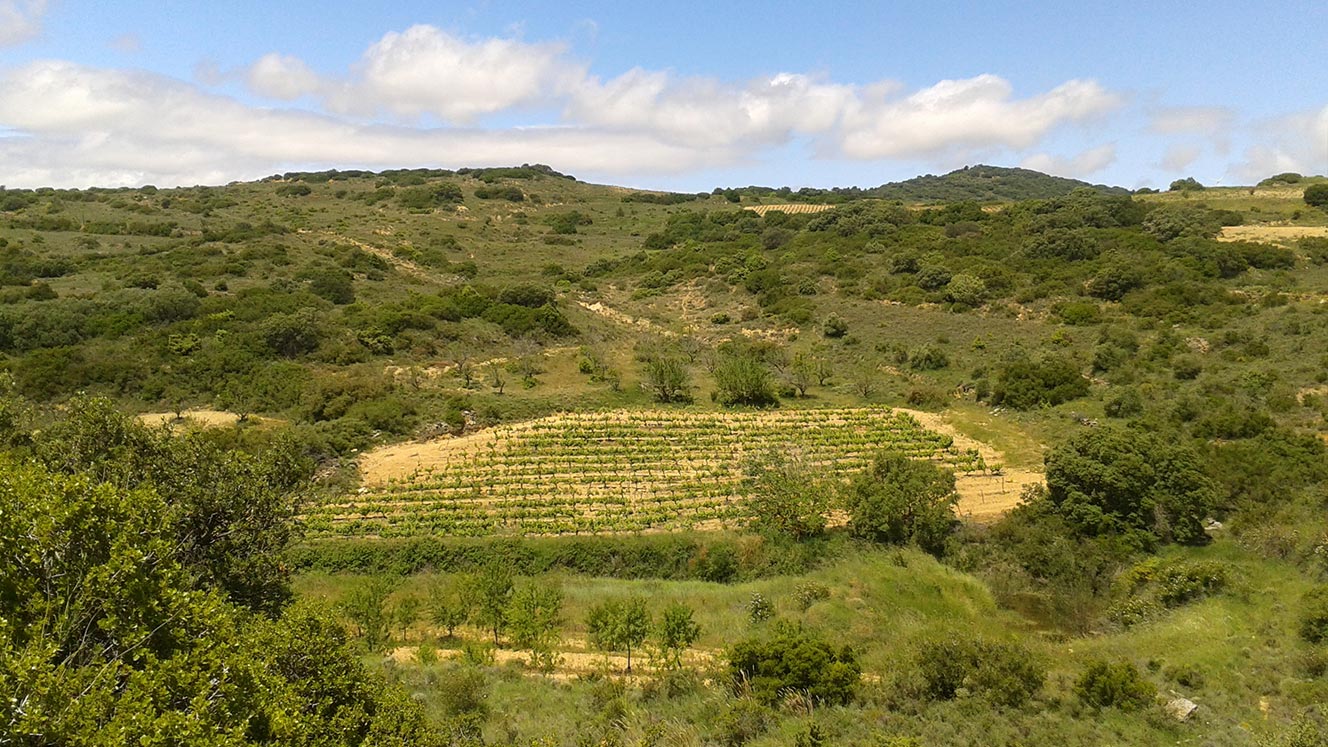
(664, 95)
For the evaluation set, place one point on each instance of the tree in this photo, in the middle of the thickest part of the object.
(1316, 195)
(534, 617)
(677, 631)
(366, 606)
(966, 290)
(742, 379)
(619, 625)
(900, 500)
(667, 379)
(787, 498)
(1025, 384)
(450, 606)
(497, 379)
(1111, 480)
(407, 613)
(493, 592)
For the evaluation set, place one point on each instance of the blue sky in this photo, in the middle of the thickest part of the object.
(665, 95)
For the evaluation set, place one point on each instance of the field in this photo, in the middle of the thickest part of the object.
(794, 209)
(592, 473)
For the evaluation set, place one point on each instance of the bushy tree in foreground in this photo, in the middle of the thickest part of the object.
(900, 500)
(1114, 480)
(793, 660)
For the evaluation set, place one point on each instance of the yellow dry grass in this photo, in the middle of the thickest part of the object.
(196, 418)
(1271, 234)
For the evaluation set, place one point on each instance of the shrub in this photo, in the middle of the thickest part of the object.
(1114, 685)
(793, 660)
(835, 327)
(1026, 384)
(1316, 195)
(1314, 615)
(1007, 674)
(744, 380)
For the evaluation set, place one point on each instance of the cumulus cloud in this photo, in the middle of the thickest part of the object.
(87, 126)
(974, 113)
(1080, 165)
(1179, 157)
(1298, 142)
(704, 111)
(282, 77)
(425, 70)
(425, 96)
(20, 20)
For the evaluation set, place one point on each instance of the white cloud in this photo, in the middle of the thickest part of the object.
(20, 20)
(706, 112)
(1179, 157)
(424, 70)
(975, 113)
(1298, 142)
(1080, 165)
(1212, 121)
(83, 126)
(282, 77)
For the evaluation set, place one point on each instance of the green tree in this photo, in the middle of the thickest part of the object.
(1115, 480)
(450, 605)
(788, 495)
(366, 606)
(406, 613)
(1316, 195)
(1025, 384)
(967, 290)
(676, 632)
(667, 379)
(619, 625)
(900, 500)
(534, 617)
(493, 593)
(742, 379)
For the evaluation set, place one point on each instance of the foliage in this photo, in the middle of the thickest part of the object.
(1025, 383)
(1316, 195)
(1007, 674)
(1105, 684)
(676, 632)
(667, 379)
(1114, 480)
(742, 379)
(619, 625)
(366, 606)
(793, 660)
(900, 500)
(492, 588)
(789, 498)
(1314, 615)
(534, 617)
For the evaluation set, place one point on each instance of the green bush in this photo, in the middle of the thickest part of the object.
(900, 500)
(1007, 674)
(792, 660)
(1316, 195)
(1314, 615)
(1114, 685)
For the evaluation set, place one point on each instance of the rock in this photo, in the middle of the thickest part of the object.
(1181, 708)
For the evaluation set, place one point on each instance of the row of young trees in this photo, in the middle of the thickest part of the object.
(529, 615)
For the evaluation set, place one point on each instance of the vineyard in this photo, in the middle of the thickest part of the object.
(610, 472)
(792, 209)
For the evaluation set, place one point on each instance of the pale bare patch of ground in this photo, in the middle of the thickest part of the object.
(197, 418)
(1271, 234)
(983, 496)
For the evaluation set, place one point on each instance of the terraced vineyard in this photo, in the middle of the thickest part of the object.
(609, 472)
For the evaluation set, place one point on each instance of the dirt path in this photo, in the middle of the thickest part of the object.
(983, 497)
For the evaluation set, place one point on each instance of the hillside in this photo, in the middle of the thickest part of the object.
(905, 467)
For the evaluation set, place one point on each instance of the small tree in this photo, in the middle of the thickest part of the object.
(835, 327)
(741, 379)
(788, 498)
(497, 379)
(493, 593)
(450, 606)
(667, 379)
(900, 500)
(676, 632)
(407, 613)
(793, 660)
(1316, 195)
(366, 606)
(534, 617)
(619, 625)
